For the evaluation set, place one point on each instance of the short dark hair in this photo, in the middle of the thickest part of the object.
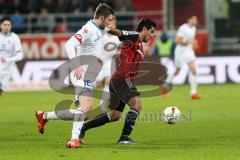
(191, 16)
(103, 10)
(148, 23)
(5, 18)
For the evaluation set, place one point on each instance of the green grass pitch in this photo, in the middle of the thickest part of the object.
(212, 133)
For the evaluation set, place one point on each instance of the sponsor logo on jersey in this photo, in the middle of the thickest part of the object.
(78, 37)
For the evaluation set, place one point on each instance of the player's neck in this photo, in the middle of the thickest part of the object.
(5, 34)
(97, 21)
(191, 25)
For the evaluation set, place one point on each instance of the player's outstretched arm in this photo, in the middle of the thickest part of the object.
(114, 31)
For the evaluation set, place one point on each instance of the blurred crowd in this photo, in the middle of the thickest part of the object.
(34, 16)
(58, 6)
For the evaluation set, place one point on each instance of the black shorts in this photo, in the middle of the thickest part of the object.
(121, 91)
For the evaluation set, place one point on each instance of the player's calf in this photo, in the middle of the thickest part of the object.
(130, 120)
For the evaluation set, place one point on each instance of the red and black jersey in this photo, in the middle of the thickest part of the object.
(130, 57)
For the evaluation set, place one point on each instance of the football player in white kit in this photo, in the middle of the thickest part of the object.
(87, 41)
(184, 53)
(109, 47)
(10, 51)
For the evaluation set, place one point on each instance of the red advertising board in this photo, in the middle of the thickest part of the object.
(51, 46)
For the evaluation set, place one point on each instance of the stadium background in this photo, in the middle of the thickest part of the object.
(209, 128)
(44, 26)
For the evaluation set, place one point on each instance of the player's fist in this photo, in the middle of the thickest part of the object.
(78, 73)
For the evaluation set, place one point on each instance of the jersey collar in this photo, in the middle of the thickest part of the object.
(6, 35)
(97, 25)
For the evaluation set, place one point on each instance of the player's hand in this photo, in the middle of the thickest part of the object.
(112, 22)
(2, 60)
(78, 73)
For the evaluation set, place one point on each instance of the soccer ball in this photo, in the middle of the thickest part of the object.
(171, 115)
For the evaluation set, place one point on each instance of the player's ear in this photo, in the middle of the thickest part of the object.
(144, 30)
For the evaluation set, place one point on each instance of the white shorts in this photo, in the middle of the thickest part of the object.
(183, 55)
(4, 79)
(80, 85)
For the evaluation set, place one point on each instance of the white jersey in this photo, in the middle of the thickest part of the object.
(187, 33)
(86, 40)
(11, 50)
(185, 54)
(108, 47)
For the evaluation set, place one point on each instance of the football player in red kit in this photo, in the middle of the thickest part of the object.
(122, 88)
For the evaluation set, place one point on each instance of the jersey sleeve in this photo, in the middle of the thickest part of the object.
(81, 36)
(129, 35)
(18, 45)
(181, 32)
(76, 41)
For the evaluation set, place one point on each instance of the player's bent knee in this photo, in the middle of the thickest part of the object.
(193, 72)
(115, 115)
(135, 103)
(137, 107)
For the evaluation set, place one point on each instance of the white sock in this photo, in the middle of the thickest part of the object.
(193, 83)
(78, 121)
(50, 115)
(105, 99)
(61, 114)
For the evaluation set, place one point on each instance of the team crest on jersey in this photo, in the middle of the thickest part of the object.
(78, 37)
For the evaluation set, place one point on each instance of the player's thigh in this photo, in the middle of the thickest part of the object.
(179, 58)
(124, 88)
(115, 102)
(190, 59)
(135, 102)
(127, 92)
(192, 67)
(84, 94)
(87, 101)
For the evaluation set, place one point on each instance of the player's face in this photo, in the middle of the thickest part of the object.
(194, 20)
(6, 27)
(148, 34)
(110, 20)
